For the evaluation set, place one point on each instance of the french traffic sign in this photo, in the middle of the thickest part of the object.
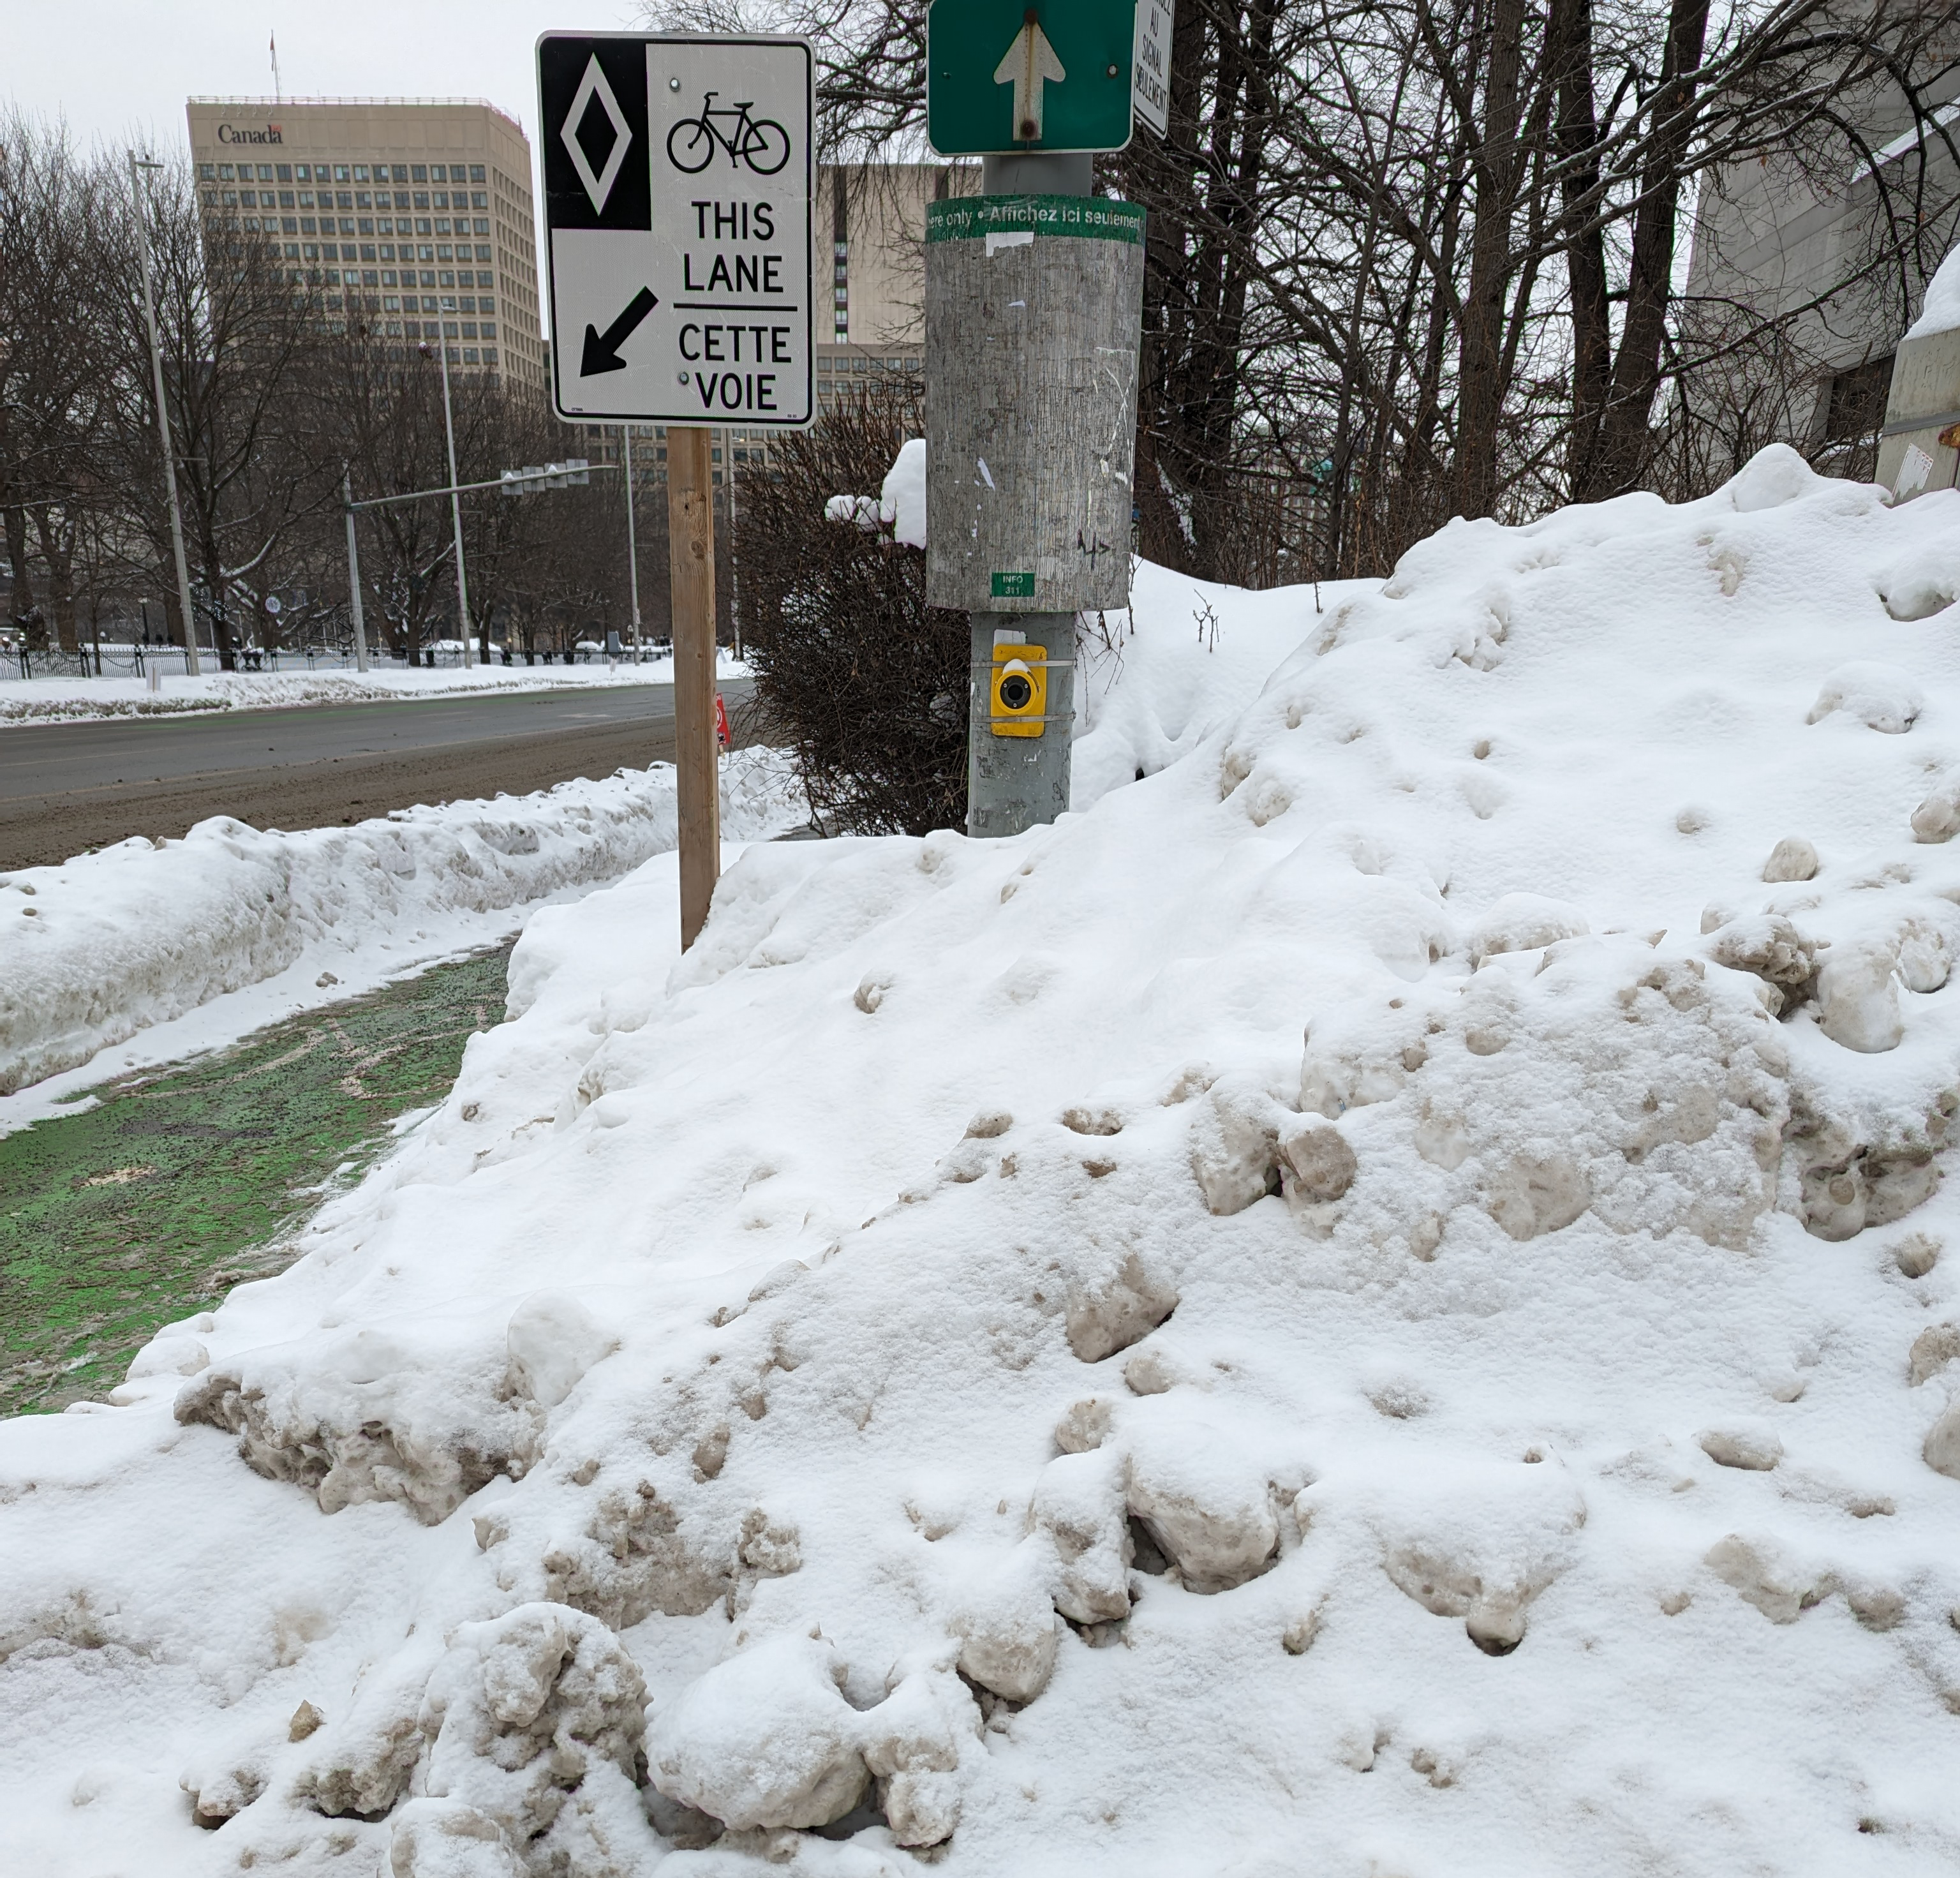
(1004, 77)
(680, 262)
(1152, 89)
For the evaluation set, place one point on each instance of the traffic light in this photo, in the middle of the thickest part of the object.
(1021, 691)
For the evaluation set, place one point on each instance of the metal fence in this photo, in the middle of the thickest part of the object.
(125, 660)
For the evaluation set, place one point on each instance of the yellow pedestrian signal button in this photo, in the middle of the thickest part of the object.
(1020, 690)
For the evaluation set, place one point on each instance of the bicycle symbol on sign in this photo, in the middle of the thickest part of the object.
(760, 142)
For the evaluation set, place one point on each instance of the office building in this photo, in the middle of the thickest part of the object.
(1802, 277)
(413, 214)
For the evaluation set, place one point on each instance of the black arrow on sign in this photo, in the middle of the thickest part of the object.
(602, 349)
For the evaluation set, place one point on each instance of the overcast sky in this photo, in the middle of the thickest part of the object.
(121, 69)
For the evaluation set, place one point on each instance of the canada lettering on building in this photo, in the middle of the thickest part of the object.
(249, 134)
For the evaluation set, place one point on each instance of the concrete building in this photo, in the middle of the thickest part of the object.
(414, 212)
(1812, 271)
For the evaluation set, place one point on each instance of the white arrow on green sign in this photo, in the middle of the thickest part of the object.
(1004, 77)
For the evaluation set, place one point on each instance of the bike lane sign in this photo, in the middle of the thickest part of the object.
(680, 265)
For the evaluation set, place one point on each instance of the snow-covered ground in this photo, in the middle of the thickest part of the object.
(45, 700)
(174, 946)
(1372, 1304)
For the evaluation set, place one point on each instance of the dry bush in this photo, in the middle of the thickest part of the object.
(854, 672)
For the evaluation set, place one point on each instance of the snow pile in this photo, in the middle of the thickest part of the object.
(899, 506)
(46, 700)
(1941, 312)
(1380, 1302)
(100, 946)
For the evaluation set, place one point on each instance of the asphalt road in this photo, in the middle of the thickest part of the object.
(67, 787)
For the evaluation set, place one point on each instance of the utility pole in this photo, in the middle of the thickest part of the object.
(138, 194)
(354, 571)
(691, 563)
(1033, 321)
(455, 501)
(632, 544)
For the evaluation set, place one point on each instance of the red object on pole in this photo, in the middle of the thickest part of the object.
(720, 721)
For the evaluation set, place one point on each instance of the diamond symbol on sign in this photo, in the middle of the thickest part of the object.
(594, 85)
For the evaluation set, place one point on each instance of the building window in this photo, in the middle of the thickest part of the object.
(367, 251)
(340, 173)
(448, 280)
(391, 303)
(421, 199)
(311, 250)
(489, 331)
(363, 200)
(368, 276)
(208, 172)
(482, 224)
(476, 172)
(306, 226)
(367, 224)
(428, 300)
(332, 275)
(1857, 402)
(479, 200)
(305, 174)
(292, 250)
(469, 355)
(469, 328)
(489, 355)
(305, 196)
(439, 173)
(226, 173)
(483, 254)
(442, 225)
(248, 198)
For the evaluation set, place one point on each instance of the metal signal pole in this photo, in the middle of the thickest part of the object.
(632, 543)
(455, 504)
(138, 193)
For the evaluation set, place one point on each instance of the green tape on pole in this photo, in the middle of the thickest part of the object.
(1079, 218)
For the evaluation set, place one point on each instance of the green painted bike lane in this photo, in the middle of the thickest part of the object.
(181, 1182)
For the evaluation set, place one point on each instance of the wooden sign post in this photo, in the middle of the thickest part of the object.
(691, 562)
(680, 269)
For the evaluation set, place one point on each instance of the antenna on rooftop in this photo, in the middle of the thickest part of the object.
(273, 42)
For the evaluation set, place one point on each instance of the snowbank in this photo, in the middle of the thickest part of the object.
(103, 946)
(41, 700)
(1941, 312)
(1378, 1302)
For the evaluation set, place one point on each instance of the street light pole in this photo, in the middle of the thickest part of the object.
(354, 571)
(632, 548)
(455, 504)
(137, 192)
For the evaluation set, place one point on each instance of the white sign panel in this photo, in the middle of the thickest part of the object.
(680, 262)
(1151, 92)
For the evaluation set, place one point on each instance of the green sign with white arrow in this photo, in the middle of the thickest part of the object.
(1002, 77)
